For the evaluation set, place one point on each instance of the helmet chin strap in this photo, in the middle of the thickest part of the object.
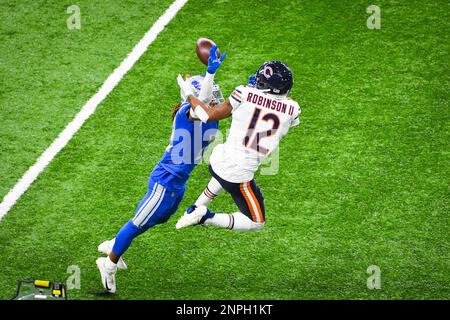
(264, 90)
(276, 96)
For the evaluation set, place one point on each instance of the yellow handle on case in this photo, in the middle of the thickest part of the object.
(42, 283)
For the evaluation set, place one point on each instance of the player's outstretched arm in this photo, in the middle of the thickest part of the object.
(206, 114)
(208, 82)
(202, 111)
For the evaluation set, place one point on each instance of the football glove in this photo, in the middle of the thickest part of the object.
(214, 62)
(185, 86)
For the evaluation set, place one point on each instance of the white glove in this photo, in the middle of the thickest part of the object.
(185, 86)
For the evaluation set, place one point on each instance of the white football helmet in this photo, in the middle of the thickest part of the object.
(196, 84)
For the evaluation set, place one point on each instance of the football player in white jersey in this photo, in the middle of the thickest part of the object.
(261, 115)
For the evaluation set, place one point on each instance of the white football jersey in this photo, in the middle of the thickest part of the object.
(259, 121)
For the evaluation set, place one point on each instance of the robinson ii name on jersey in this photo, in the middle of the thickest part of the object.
(259, 121)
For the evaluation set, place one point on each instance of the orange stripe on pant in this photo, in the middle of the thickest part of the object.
(248, 202)
(261, 217)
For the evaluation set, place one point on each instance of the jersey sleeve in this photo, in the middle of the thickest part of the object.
(295, 119)
(237, 97)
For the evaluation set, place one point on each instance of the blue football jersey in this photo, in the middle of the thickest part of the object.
(187, 144)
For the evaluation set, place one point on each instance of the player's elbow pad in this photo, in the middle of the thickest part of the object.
(201, 114)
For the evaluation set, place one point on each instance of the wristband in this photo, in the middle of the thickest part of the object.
(192, 113)
(201, 114)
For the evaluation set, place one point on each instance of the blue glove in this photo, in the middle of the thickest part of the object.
(214, 62)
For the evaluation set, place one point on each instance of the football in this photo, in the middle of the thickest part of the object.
(202, 49)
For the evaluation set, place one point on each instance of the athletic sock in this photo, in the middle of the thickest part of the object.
(221, 220)
(125, 236)
(211, 191)
(244, 223)
(236, 221)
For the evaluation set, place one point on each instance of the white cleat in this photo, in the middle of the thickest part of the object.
(108, 276)
(106, 247)
(191, 218)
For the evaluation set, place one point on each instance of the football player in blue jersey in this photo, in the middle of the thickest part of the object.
(167, 181)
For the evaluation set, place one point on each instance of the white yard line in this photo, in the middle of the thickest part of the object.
(88, 109)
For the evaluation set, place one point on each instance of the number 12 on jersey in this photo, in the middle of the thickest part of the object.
(254, 143)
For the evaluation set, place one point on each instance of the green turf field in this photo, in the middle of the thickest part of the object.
(363, 181)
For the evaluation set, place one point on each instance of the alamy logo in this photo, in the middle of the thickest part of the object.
(74, 20)
(374, 280)
(74, 280)
(374, 20)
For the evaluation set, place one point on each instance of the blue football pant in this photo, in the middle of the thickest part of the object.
(157, 206)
